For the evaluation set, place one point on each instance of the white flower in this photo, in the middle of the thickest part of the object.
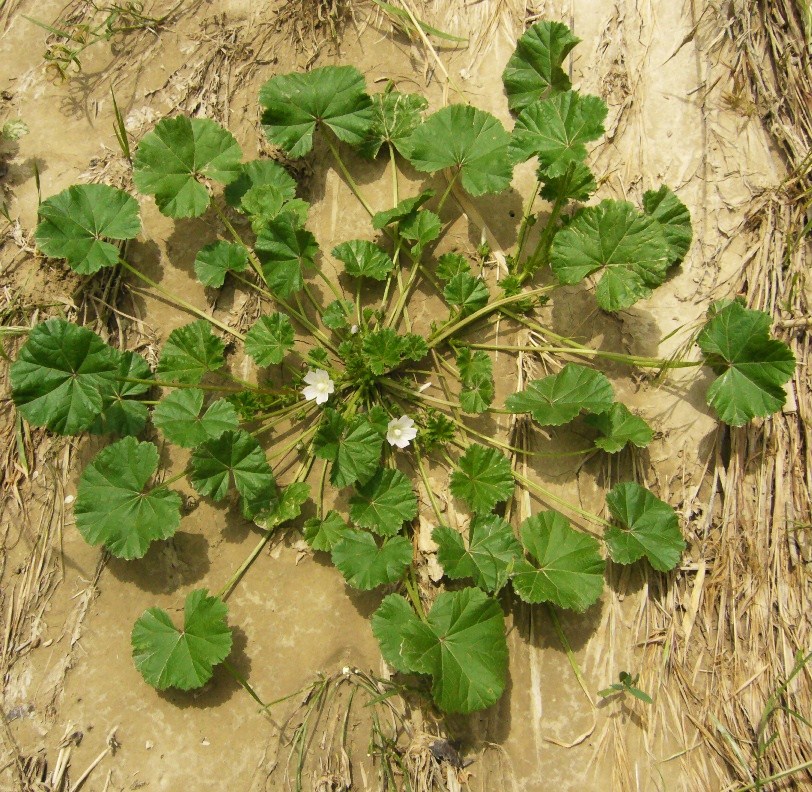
(319, 386)
(401, 431)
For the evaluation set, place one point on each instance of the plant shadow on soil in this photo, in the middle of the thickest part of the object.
(222, 685)
(167, 566)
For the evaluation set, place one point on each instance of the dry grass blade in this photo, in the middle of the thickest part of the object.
(737, 656)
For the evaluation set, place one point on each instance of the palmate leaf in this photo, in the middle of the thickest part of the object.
(569, 568)
(394, 117)
(751, 366)
(365, 565)
(404, 209)
(577, 184)
(489, 557)
(363, 259)
(325, 534)
(75, 224)
(421, 228)
(265, 203)
(465, 137)
(285, 251)
(336, 314)
(122, 414)
(650, 528)
(332, 95)
(189, 352)
(383, 350)
(449, 265)
(534, 70)
(619, 426)
(215, 260)
(353, 447)
(237, 455)
(462, 645)
(674, 217)
(483, 478)
(178, 416)
(183, 659)
(467, 293)
(477, 395)
(172, 159)
(556, 131)
(286, 507)
(260, 173)
(476, 377)
(269, 339)
(557, 399)
(384, 502)
(113, 507)
(63, 377)
(630, 248)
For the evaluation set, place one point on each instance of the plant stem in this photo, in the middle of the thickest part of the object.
(429, 491)
(351, 183)
(179, 302)
(524, 228)
(451, 182)
(541, 254)
(635, 360)
(453, 327)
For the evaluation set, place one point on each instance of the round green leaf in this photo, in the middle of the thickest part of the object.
(285, 251)
(650, 528)
(569, 571)
(357, 454)
(178, 417)
(556, 131)
(620, 426)
(269, 339)
(557, 399)
(184, 659)
(332, 95)
(467, 293)
(123, 415)
(534, 70)
(491, 553)
(63, 377)
(114, 508)
(364, 259)
(468, 138)
(577, 184)
(189, 352)
(751, 366)
(260, 173)
(463, 647)
(325, 534)
(483, 478)
(74, 224)
(365, 565)
(173, 158)
(389, 624)
(234, 454)
(404, 209)
(673, 215)
(384, 503)
(628, 246)
(394, 117)
(215, 260)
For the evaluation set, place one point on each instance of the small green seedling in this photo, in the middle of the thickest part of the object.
(354, 400)
(627, 684)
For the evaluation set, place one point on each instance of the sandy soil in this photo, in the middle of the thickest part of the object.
(69, 679)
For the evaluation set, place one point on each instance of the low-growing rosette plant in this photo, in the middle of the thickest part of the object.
(342, 383)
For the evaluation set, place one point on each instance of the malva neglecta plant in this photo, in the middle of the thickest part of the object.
(349, 374)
